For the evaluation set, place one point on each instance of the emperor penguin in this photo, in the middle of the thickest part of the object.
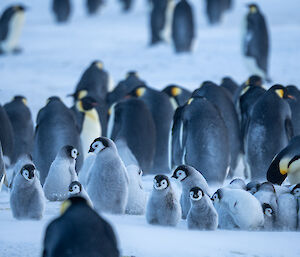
(163, 207)
(218, 96)
(127, 5)
(178, 95)
(183, 27)
(245, 210)
(93, 6)
(269, 217)
(21, 121)
(91, 126)
(62, 10)
(294, 102)
(27, 200)
(202, 215)
(69, 232)
(260, 147)
(76, 189)
(161, 20)
(162, 113)
(266, 194)
(11, 25)
(124, 87)
(202, 125)
(255, 43)
(107, 182)
(189, 178)
(230, 85)
(286, 164)
(55, 128)
(61, 174)
(215, 10)
(131, 122)
(137, 197)
(3, 176)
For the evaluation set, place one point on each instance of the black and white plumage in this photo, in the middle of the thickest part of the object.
(189, 178)
(178, 95)
(27, 200)
(269, 217)
(11, 25)
(81, 231)
(163, 207)
(215, 10)
(127, 4)
(61, 174)
(294, 102)
(252, 187)
(93, 6)
(3, 176)
(202, 215)
(266, 194)
(107, 182)
(230, 85)
(62, 10)
(256, 42)
(76, 189)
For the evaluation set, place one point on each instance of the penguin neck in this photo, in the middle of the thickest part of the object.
(294, 176)
(174, 102)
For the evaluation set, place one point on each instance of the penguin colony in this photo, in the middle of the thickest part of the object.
(92, 156)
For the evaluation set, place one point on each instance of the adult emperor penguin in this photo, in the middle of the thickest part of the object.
(256, 42)
(218, 96)
(62, 10)
(230, 85)
(11, 25)
(3, 176)
(91, 126)
(162, 113)
(202, 215)
(286, 164)
(294, 102)
(260, 144)
(61, 174)
(215, 10)
(137, 197)
(107, 182)
(189, 178)
(131, 121)
(178, 95)
(160, 20)
(27, 200)
(202, 125)
(21, 121)
(183, 27)
(93, 6)
(269, 217)
(163, 207)
(55, 128)
(81, 231)
(245, 210)
(6, 136)
(76, 189)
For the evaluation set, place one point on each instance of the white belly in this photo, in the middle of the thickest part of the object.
(167, 30)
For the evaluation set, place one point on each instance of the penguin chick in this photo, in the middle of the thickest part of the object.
(107, 182)
(61, 174)
(266, 194)
(296, 192)
(287, 212)
(87, 165)
(202, 215)
(237, 183)
(163, 207)
(269, 217)
(189, 178)
(137, 197)
(27, 200)
(76, 189)
(252, 187)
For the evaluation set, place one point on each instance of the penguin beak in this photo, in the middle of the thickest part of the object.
(127, 97)
(71, 190)
(94, 104)
(291, 97)
(283, 171)
(71, 95)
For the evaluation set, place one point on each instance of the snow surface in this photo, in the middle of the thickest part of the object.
(55, 56)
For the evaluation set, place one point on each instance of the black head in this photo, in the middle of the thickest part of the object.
(161, 182)
(87, 103)
(97, 64)
(21, 8)
(20, 99)
(132, 73)
(27, 171)
(75, 187)
(181, 173)
(173, 90)
(268, 210)
(280, 90)
(217, 196)
(267, 187)
(71, 151)
(296, 190)
(252, 187)
(253, 8)
(99, 144)
(53, 99)
(196, 193)
(254, 80)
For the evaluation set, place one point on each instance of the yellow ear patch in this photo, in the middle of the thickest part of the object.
(253, 9)
(79, 106)
(82, 94)
(175, 91)
(65, 205)
(140, 91)
(283, 165)
(190, 101)
(99, 65)
(279, 92)
(24, 100)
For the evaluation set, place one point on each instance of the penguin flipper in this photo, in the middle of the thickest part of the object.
(289, 129)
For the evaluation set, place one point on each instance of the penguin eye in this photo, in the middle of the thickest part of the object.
(95, 145)
(164, 182)
(74, 153)
(179, 173)
(191, 194)
(76, 187)
(26, 173)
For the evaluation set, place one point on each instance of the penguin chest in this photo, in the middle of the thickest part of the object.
(14, 32)
(294, 176)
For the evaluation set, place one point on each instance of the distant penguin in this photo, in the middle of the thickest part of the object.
(21, 120)
(61, 174)
(11, 25)
(69, 233)
(218, 96)
(124, 87)
(93, 6)
(163, 207)
(107, 182)
(27, 200)
(286, 164)
(243, 207)
(256, 42)
(183, 27)
(178, 95)
(77, 190)
(62, 10)
(160, 20)
(55, 128)
(131, 121)
(162, 113)
(215, 10)
(269, 217)
(264, 140)
(3, 176)
(6, 136)
(294, 102)
(202, 215)
(266, 194)
(127, 4)
(189, 178)
(230, 85)
(137, 197)
(204, 138)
